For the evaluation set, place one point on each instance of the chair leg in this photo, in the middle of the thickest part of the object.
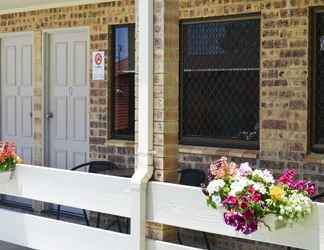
(86, 217)
(206, 241)
(179, 238)
(98, 220)
(128, 225)
(119, 224)
(58, 212)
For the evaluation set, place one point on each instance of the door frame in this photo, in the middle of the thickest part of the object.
(46, 88)
(9, 35)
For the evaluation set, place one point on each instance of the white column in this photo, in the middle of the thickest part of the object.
(144, 154)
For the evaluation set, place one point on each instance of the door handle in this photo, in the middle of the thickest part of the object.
(49, 115)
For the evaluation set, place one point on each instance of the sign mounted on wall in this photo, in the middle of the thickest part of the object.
(98, 66)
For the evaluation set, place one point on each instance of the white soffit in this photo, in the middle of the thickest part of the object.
(12, 6)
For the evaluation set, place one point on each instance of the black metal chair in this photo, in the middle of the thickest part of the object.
(195, 178)
(96, 167)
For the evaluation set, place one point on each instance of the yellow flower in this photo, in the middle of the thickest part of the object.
(19, 160)
(277, 193)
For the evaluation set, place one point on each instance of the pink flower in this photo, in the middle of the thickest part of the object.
(287, 177)
(310, 188)
(299, 185)
(245, 169)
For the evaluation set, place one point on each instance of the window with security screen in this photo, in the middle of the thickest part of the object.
(220, 83)
(318, 83)
(123, 96)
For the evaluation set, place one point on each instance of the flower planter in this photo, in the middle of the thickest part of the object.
(253, 197)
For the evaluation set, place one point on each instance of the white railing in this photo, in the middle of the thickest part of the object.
(169, 204)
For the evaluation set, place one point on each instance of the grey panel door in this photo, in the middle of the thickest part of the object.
(68, 99)
(17, 83)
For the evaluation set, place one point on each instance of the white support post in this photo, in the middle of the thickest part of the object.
(144, 160)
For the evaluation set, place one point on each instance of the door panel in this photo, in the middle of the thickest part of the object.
(10, 115)
(79, 120)
(79, 63)
(9, 59)
(27, 110)
(26, 66)
(68, 99)
(17, 97)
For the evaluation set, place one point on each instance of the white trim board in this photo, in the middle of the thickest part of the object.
(21, 6)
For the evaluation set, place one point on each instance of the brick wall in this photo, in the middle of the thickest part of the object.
(99, 18)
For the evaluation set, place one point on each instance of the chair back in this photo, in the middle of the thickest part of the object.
(192, 177)
(97, 167)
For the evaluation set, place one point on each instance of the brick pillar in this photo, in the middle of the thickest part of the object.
(284, 80)
(166, 99)
(166, 89)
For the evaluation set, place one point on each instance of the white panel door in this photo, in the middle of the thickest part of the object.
(17, 93)
(68, 99)
(17, 82)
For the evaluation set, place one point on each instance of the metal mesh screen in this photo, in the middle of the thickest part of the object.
(220, 83)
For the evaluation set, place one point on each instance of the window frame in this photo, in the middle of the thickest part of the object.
(208, 141)
(113, 135)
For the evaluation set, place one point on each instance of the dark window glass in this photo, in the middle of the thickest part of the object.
(220, 83)
(123, 82)
(318, 104)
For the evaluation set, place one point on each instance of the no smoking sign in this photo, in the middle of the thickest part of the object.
(98, 66)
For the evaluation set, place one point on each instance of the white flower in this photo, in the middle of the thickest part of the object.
(217, 200)
(215, 186)
(259, 187)
(238, 186)
(265, 175)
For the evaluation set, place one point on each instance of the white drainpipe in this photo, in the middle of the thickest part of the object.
(144, 160)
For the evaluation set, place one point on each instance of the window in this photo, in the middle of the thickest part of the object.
(123, 96)
(318, 83)
(220, 83)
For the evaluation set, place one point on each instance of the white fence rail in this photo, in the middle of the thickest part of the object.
(170, 204)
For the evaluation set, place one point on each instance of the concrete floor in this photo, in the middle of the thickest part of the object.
(7, 246)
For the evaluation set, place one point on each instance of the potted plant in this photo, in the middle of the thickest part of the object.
(8, 160)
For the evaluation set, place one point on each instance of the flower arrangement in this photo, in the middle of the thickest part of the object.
(248, 195)
(8, 157)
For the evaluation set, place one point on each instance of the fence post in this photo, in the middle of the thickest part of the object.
(319, 215)
(144, 158)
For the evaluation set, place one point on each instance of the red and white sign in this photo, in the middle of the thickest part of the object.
(98, 66)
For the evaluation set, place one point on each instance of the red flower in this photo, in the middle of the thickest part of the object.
(230, 202)
(244, 205)
(250, 189)
(248, 214)
(256, 197)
